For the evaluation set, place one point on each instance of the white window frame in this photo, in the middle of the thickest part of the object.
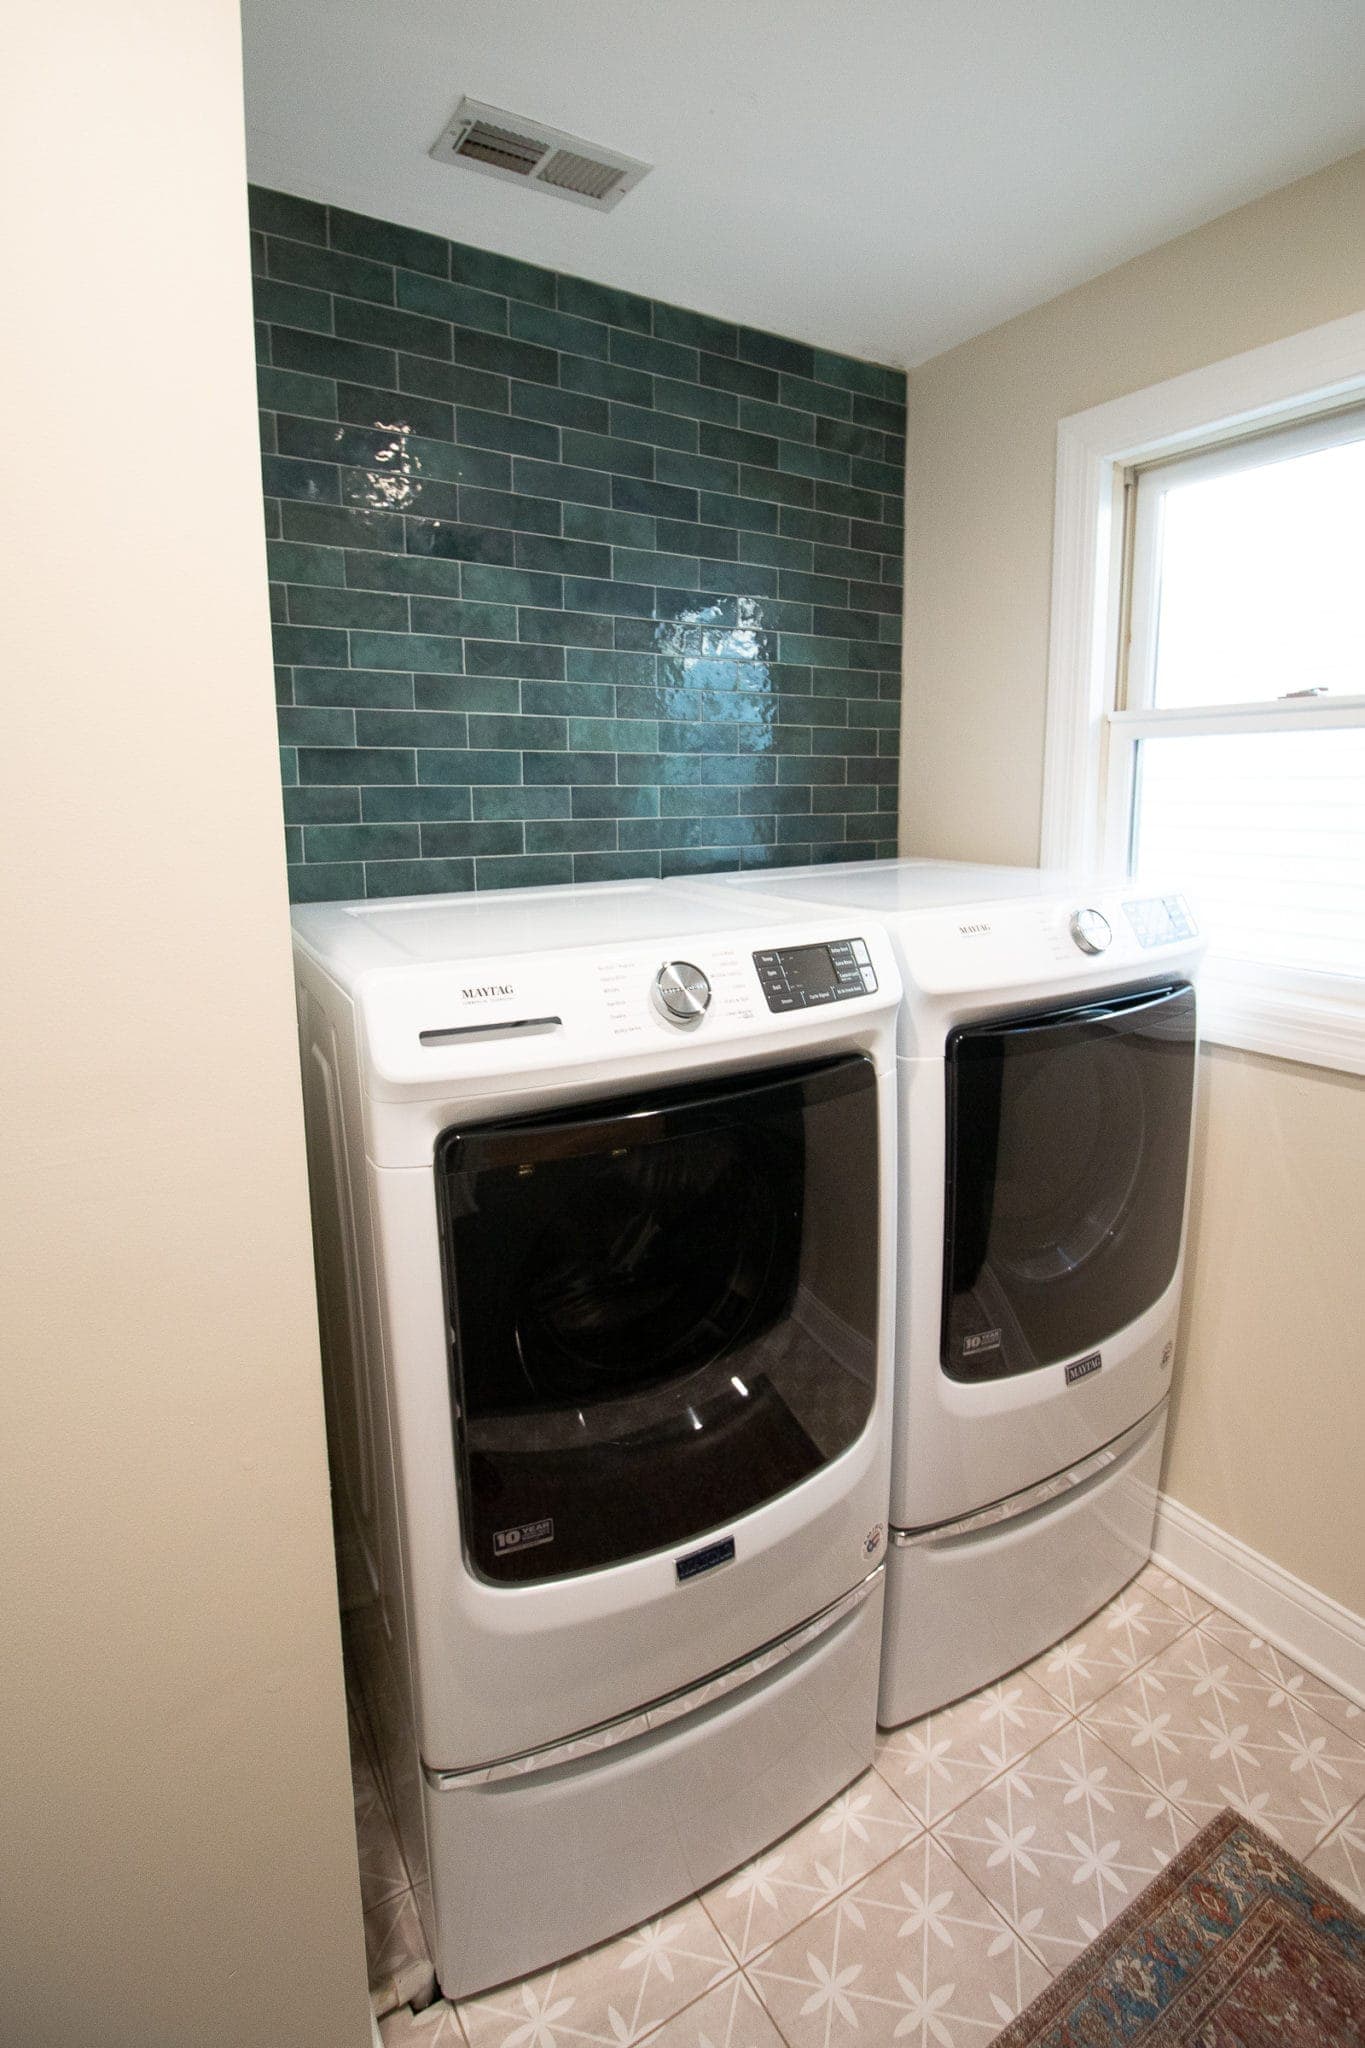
(1318, 1019)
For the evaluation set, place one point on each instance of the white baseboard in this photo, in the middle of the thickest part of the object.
(1317, 1631)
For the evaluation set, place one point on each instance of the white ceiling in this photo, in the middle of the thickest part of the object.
(882, 177)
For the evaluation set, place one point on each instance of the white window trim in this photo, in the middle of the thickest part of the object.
(1313, 1019)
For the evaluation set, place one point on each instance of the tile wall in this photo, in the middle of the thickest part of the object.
(568, 585)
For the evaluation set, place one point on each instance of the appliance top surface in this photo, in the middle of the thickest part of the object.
(890, 887)
(464, 994)
(352, 939)
(972, 934)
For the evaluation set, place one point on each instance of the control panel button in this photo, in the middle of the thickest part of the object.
(682, 992)
(1091, 930)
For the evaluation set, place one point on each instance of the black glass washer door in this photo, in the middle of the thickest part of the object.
(1068, 1138)
(634, 1288)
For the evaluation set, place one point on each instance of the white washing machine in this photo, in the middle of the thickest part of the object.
(1047, 1067)
(604, 1203)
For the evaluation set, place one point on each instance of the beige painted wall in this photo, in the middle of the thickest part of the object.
(175, 1812)
(1270, 1395)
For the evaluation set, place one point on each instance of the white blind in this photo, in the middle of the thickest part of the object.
(1268, 830)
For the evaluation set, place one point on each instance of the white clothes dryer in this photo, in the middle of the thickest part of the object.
(1047, 1066)
(604, 1200)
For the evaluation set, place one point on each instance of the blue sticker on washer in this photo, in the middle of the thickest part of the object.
(705, 1560)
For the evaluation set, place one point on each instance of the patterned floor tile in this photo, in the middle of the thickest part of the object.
(765, 1899)
(614, 1994)
(1213, 1732)
(1341, 1858)
(936, 1763)
(1107, 1648)
(383, 1873)
(731, 2016)
(1064, 1840)
(396, 1951)
(913, 1953)
(1283, 1672)
(437, 2027)
(1153, 1578)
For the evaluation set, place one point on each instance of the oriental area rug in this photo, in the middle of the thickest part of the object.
(1234, 1945)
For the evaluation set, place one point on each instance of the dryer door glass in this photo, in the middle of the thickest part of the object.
(1067, 1145)
(662, 1311)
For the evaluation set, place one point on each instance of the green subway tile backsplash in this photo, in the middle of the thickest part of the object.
(567, 584)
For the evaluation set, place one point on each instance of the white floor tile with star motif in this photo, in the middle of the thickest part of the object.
(1214, 1732)
(934, 1898)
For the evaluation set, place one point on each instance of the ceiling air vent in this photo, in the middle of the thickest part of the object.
(502, 145)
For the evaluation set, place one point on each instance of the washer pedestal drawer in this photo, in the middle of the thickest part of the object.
(529, 1868)
(965, 1605)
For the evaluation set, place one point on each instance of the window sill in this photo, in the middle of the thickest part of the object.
(1317, 1030)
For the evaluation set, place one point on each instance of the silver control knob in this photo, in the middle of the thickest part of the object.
(682, 993)
(1090, 930)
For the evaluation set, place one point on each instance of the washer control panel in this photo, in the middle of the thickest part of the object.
(801, 977)
(1160, 920)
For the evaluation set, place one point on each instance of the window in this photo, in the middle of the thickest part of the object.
(1207, 695)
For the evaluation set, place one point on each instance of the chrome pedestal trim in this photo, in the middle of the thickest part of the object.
(672, 1707)
(1032, 1496)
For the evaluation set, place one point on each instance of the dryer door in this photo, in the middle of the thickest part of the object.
(662, 1311)
(1068, 1142)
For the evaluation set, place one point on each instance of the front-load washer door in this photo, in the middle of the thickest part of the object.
(1067, 1146)
(662, 1311)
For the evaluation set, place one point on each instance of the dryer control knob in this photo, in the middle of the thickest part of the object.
(1090, 930)
(681, 992)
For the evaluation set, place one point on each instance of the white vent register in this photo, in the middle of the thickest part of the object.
(503, 145)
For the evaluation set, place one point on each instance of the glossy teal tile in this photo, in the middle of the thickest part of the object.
(316, 806)
(414, 877)
(320, 605)
(335, 882)
(386, 242)
(619, 457)
(560, 331)
(411, 805)
(571, 835)
(600, 302)
(515, 658)
(527, 871)
(562, 533)
(502, 274)
(293, 391)
(615, 867)
(356, 766)
(595, 801)
(503, 431)
(279, 213)
(563, 628)
(361, 842)
(522, 802)
(594, 522)
(361, 689)
(461, 304)
(441, 842)
(467, 766)
(329, 270)
(455, 383)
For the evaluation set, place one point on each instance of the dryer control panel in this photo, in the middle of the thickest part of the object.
(801, 977)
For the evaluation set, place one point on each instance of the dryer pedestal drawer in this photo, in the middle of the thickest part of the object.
(530, 1868)
(966, 1605)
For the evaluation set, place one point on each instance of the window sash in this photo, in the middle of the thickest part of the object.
(1286, 1013)
(1147, 485)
